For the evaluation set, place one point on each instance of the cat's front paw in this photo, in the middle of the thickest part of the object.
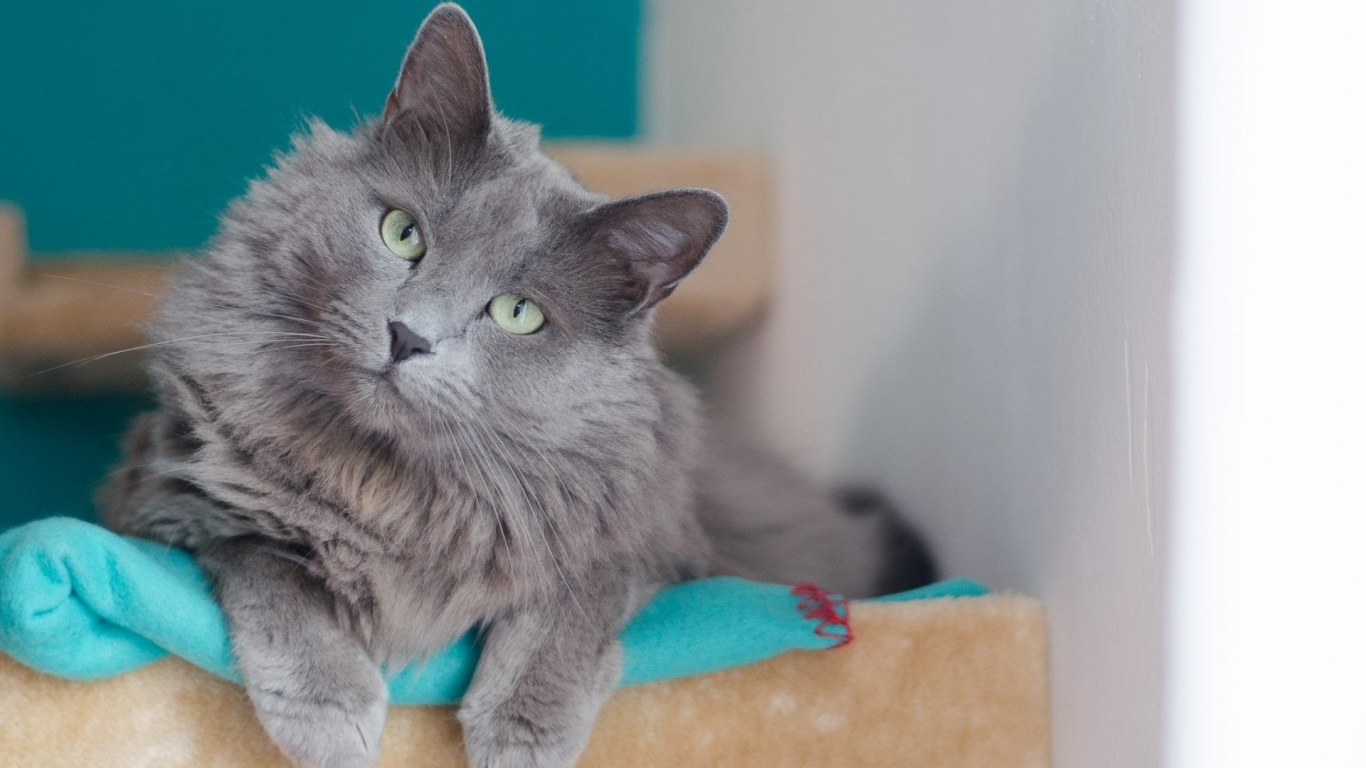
(331, 725)
(500, 737)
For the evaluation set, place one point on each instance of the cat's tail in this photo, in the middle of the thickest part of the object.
(767, 521)
(906, 559)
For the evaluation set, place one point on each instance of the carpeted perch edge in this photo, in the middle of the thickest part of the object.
(929, 683)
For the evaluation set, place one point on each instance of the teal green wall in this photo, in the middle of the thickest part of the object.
(131, 124)
(53, 453)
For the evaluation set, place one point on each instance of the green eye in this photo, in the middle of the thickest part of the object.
(399, 231)
(516, 314)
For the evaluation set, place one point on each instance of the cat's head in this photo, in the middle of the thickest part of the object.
(435, 260)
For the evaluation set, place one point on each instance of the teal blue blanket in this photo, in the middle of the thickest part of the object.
(80, 602)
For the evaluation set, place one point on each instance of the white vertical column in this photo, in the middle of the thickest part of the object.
(1267, 638)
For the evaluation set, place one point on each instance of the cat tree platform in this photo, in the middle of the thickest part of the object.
(69, 307)
(945, 683)
(719, 671)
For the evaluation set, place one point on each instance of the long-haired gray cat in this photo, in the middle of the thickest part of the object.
(409, 391)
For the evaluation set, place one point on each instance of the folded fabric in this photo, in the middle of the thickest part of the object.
(81, 602)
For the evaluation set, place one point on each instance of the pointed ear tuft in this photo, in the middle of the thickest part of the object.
(444, 80)
(659, 238)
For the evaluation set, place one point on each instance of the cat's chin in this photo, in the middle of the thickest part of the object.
(380, 404)
(374, 402)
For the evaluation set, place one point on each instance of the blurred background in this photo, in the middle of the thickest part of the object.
(1075, 282)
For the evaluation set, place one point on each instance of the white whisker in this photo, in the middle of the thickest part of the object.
(94, 358)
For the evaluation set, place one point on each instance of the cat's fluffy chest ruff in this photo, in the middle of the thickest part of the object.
(414, 553)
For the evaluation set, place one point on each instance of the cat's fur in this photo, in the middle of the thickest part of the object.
(351, 509)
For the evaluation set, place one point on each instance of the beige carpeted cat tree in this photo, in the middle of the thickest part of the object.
(935, 684)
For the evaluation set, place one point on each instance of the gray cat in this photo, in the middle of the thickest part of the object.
(409, 391)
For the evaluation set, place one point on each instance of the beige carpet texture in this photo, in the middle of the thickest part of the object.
(959, 683)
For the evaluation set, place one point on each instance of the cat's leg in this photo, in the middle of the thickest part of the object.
(543, 676)
(317, 692)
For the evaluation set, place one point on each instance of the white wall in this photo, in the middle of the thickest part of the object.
(976, 206)
(1268, 623)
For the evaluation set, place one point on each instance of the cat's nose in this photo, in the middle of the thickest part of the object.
(404, 342)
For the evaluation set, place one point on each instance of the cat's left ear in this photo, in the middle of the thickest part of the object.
(658, 238)
(444, 80)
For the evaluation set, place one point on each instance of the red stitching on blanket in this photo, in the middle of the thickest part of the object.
(831, 610)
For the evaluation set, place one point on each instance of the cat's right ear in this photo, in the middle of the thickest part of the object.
(655, 240)
(444, 80)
